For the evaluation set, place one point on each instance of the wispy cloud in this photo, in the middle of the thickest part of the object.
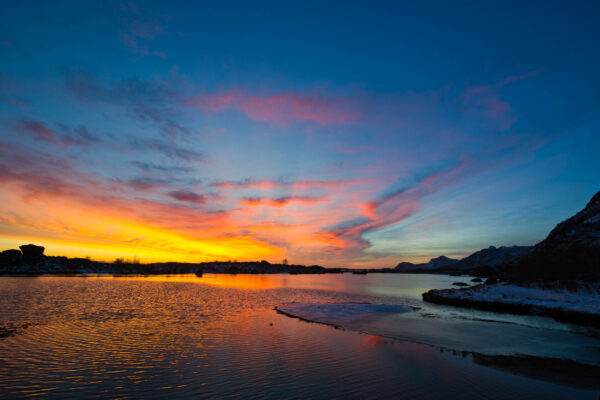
(395, 206)
(169, 149)
(187, 196)
(139, 27)
(270, 184)
(159, 168)
(65, 135)
(281, 201)
(281, 108)
(153, 100)
(37, 129)
(486, 100)
(83, 209)
(129, 91)
(78, 135)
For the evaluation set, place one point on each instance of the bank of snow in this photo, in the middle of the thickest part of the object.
(579, 306)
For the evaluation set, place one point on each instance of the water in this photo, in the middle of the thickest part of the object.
(218, 336)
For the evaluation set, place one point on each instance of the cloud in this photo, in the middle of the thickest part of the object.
(188, 197)
(145, 184)
(485, 99)
(170, 150)
(396, 205)
(129, 91)
(37, 129)
(139, 28)
(64, 136)
(150, 100)
(48, 198)
(41, 176)
(270, 184)
(41, 173)
(165, 118)
(157, 168)
(78, 136)
(280, 109)
(281, 201)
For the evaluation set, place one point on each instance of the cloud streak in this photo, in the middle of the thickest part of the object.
(63, 136)
(281, 201)
(271, 184)
(281, 108)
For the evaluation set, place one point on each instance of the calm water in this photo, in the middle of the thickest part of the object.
(218, 336)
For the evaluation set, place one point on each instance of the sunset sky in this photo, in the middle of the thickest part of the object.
(342, 134)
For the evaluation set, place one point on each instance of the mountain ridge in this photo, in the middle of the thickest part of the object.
(487, 259)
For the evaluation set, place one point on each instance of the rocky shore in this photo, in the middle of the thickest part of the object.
(558, 277)
(578, 303)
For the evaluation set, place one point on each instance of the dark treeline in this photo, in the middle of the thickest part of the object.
(30, 260)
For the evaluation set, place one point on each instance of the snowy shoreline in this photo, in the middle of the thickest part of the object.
(581, 306)
(363, 318)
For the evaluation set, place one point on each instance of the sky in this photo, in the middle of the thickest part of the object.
(345, 134)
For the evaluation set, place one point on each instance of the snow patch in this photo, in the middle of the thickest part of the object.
(338, 313)
(584, 300)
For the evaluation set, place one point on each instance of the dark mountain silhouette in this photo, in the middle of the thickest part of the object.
(491, 257)
(571, 250)
(441, 261)
(482, 262)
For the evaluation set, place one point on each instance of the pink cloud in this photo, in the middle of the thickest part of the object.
(280, 201)
(138, 28)
(268, 184)
(485, 99)
(280, 109)
(69, 136)
(37, 129)
(396, 206)
(187, 196)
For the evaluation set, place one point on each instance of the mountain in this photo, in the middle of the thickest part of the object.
(570, 251)
(491, 257)
(483, 261)
(434, 263)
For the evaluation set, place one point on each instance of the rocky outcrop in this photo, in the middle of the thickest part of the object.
(11, 257)
(570, 251)
(32, 254)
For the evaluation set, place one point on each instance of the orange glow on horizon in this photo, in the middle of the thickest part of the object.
(105, 223)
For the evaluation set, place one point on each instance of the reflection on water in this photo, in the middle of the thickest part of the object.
(397, 285)
(211, 337)
(405, 285)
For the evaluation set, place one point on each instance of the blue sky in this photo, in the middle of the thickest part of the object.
(345, 134)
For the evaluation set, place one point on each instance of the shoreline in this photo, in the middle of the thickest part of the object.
(513, 299)
(557, 370)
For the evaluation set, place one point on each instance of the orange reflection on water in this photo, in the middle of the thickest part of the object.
(373, 340)
(241, 281)
(250, 281)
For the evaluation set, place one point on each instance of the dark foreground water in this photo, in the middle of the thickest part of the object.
(218, 336)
